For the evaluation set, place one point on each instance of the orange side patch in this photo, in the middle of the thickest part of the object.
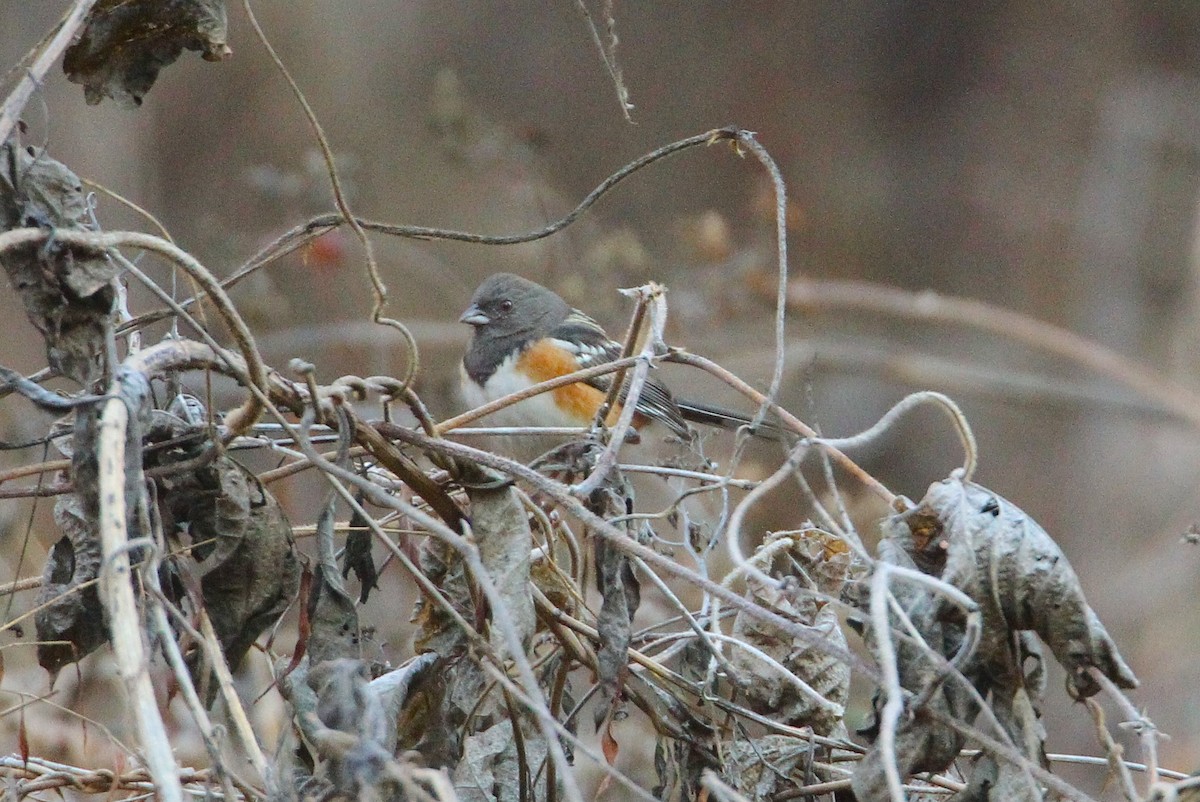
(544, 361)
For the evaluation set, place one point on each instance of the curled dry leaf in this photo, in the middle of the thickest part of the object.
(491, 766)
(986, 547)
(825, 561)
(126, 42)
(71, 625)
(620, 594)
(67, 293)
(464, 701)
(921, 742)
(990, 549)
(356, 556)
(758, 768)
(335, 631)
(70, 618)
(348, 739)
(242, 550)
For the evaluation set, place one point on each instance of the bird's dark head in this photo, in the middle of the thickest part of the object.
(506, 305)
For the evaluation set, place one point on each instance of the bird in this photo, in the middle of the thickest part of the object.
(525, 334)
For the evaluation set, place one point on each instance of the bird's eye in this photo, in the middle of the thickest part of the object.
(506, 305)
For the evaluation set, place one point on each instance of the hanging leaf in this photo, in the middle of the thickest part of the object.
(71, 623)
(356, 556)
(67, 292)
(759, 768)
(241, 548)
(990, 549)
(922, 743)
(70, 619)
(126, 42)
(620, 593)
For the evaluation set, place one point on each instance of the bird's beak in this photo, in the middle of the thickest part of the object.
(474, 316)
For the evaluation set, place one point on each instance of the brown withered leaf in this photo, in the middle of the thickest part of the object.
(71, 624)
(469, 703)
(356, 556)
(125, 43)
(242, 549)
(348, 740)
(67, 292)
(335, 632)
(759, 768)
(999, 556)
(983, 545)
(922, 743)
(770, 693)
(825, 563)
(620, 592)
(70, 619)
(491, 768)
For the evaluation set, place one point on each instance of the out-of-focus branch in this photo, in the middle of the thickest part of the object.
(815, 296)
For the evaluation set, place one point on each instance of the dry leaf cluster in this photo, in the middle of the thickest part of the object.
(534, 639)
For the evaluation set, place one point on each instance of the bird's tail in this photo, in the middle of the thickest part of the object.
(709, 415)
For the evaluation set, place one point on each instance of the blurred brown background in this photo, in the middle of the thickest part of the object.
(1040, 156)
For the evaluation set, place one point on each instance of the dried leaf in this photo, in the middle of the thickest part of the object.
(67, 292)
(490, 770)
(304, 624)
(469, 700)
(346, 733)
(1000, 557)
(397, 689)
(687, 739)
(126, 42)
(73, 615)
(759, 768)
(356, 556)
(921, 743)
(620, 594)
(242, 546)
(335, 632)
(826, 562)
(436, 630)
(611, 750)
(345, 699)
(981, 544)
(505, 542)
(70, 619)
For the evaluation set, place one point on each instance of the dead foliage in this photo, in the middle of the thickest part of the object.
(544, 594)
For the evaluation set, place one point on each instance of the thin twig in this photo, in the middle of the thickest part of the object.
(378, 288)
(745, 139)
(961, 427)
(1113, 749)
(321, 224)
(786, 418)
(1142, 726)
(609, 54)
(885, 653)
(233, 705)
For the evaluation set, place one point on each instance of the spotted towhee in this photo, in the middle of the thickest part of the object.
(526, 334)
